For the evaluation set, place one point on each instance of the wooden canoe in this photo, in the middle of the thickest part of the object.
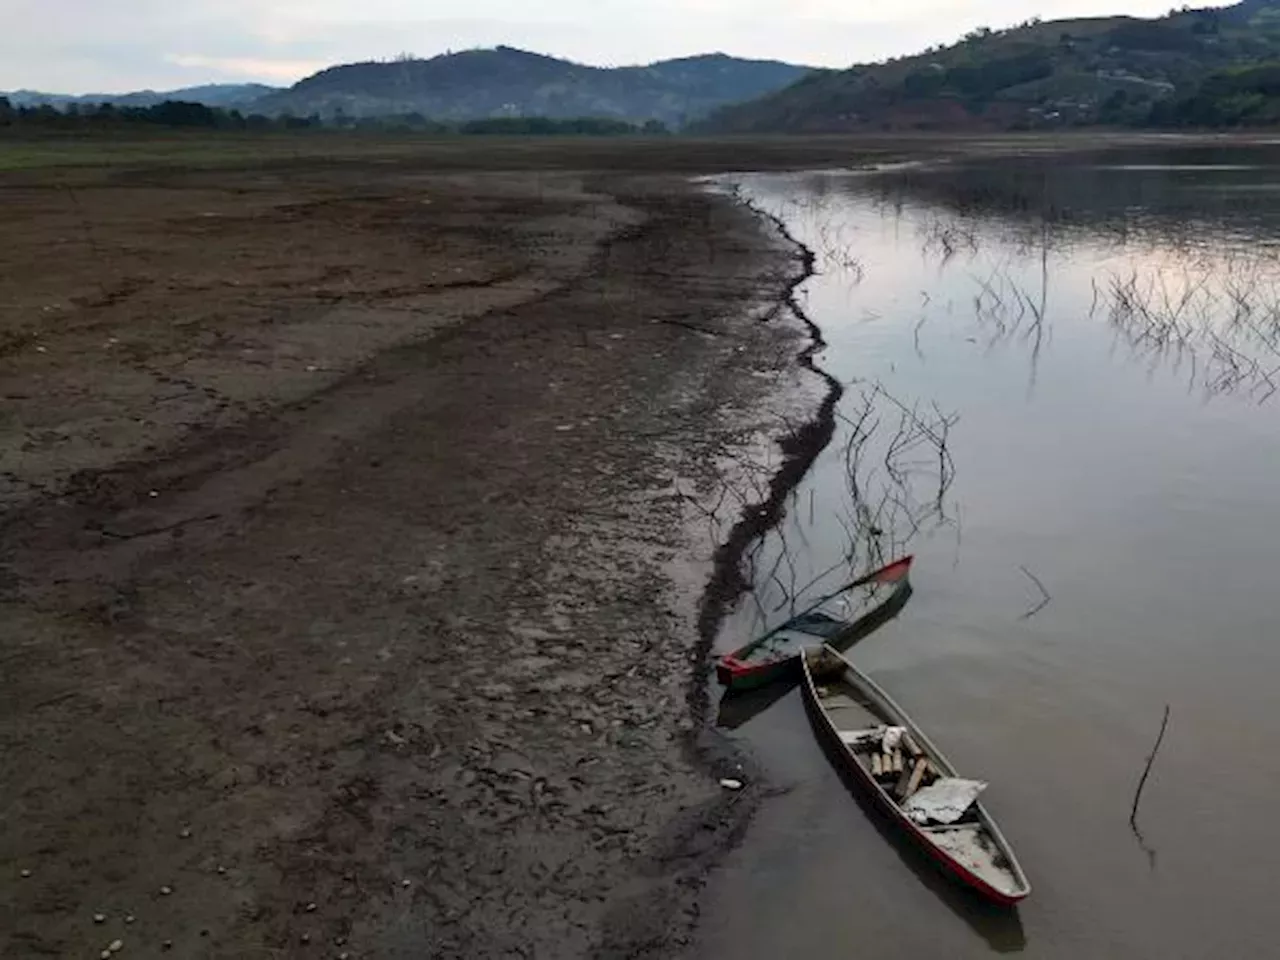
(845, 706)
(845, 613)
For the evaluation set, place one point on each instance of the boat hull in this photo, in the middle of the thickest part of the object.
(742, 677)
(862, 779)
(739, 674)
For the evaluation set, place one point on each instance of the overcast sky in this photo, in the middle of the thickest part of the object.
(107, 46)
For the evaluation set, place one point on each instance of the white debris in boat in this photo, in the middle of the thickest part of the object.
(945, 801)
(732, 784)
(888, 738)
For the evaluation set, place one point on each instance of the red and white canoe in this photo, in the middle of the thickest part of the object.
(852, 713)
(848, 612)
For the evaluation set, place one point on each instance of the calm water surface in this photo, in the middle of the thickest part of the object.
(1064, 371)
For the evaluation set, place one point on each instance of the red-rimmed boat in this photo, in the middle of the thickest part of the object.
(847, 612)
(888, 755)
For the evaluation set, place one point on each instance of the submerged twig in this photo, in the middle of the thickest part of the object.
(1047, 597)
(1137, 796)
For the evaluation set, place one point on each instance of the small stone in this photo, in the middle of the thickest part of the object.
(732, 784)
(153, 494)
(105, 955)
(26, 874)
(222, 871)
(312, 368)
(167, 945)
(99, 918)
(305, 938)
(344, 956)
(115, 946)
(406, 883)
(130, 918)
(340, 941)
(311, 908)
(185, 833)
(165, 891)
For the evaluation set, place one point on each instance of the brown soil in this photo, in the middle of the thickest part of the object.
(351, 563)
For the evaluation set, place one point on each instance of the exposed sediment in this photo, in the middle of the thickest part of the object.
(371, 585)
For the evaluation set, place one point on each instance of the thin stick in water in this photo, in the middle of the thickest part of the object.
(1137, 797)
(1043, 592)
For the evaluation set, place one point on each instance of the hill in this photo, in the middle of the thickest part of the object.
(229, 96)
(505, 82)
(1115, 70)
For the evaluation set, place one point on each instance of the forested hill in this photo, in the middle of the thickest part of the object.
(229, 96)
(1193, 67)
(505, 82)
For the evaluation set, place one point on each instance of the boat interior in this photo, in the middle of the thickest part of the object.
(903, 766)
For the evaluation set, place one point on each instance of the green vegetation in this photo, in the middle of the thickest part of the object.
(229, 96)
(503, 90)
(1192, 67)
(173, 115)
(1248, 96)
(509, 83)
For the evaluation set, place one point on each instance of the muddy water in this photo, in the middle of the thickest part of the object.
(1058, 373)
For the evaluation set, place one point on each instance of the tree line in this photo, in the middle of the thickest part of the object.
(178, 115)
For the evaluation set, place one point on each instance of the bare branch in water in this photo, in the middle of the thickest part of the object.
(1046, 596)
(1142, 783)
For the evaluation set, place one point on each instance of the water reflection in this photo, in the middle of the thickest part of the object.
(1083, 358)
(1190, 285)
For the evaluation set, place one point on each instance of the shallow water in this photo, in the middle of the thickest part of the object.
(1059, 373)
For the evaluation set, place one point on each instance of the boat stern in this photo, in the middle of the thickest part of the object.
(739, 675)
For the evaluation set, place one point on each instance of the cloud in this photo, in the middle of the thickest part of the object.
(92, 45)
(248, 68)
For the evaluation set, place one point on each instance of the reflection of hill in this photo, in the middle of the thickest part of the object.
(1185, 239)
(1177, 197)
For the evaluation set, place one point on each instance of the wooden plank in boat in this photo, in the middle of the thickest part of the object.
(836, 700)
(903, 780)
(917, 777)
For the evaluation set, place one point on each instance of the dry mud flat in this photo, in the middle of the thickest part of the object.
(351, 581)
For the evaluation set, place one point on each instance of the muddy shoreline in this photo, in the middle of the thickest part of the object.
(799, 450)
(354, 598)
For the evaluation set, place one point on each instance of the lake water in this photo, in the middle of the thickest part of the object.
(1060, 372)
